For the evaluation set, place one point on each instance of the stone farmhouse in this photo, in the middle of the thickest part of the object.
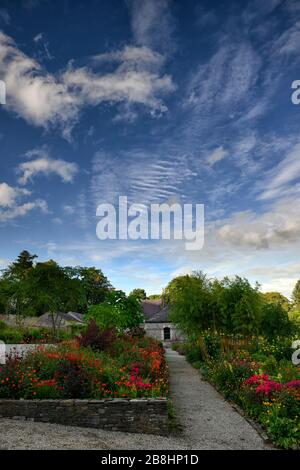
(157, 324)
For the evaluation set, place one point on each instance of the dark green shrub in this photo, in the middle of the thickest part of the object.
(270, 365)
(11, 336)
(3, 325)
(193, 353)
(212, 344)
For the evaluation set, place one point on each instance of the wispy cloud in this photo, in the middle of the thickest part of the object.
(145, 176)
(280, 178)
(45, 99)
(217, 155)
(9, 194)
(152, 23)
(288, 42)
(10, 205)
(236, 66)
(46, 166)
(4, 16)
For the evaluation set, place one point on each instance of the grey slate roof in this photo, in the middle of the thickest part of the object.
(45, 319)
(155, 311)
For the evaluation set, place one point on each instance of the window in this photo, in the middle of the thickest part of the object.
(167, 333)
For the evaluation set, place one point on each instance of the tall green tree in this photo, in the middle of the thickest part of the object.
(275, 321)
(51, 290)
(140, 294)
(12, 295)
(20, 267)
(240, 306)
(96, 286)
(118, 310)
(154, 296)
(189, 298)
(278, 299)
(296, 296)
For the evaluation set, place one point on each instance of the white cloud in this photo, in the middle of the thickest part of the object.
(5, 16)
(57, 221)
(10, 208)
(288, 42)
(22, 210)
(217, 155)
(256, 9)
(279, 226)
(205, 18)
(8, 194)
(285, 285)
(152, 23)
(130, 56)
(279, 179)
(45, 99)
(46, 166)
(69, 210)
(155, 179)
(235, 66)
(133, 86)
(32, 93)
(39, 37)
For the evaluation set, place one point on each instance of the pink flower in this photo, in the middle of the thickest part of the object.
(293, 383)
(257, 379)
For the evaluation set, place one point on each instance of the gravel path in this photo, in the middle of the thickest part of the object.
(208, 421)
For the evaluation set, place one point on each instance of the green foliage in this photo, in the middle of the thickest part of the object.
(105, 315)
(190, 302)
(11, 336)
(118, 311)
(193, 353)
(240, 306)
(285, 431)
(280, 348)
(140, 294)
(294, 316)
(19, 268)
(296, 295)
(24, 287)
(212, 344)
(275, 321)
(14, 335)
(230, 305)
(93, 282)
(52, 291)
(277, 299)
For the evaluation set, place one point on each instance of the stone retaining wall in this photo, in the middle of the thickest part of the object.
(149, 416)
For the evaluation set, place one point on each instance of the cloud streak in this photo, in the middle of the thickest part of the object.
(46, 100)
(11, 208)
(46, 166)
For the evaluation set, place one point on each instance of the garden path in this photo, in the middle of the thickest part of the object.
(209, 422)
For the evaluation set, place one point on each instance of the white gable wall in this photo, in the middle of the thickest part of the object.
(156, 331)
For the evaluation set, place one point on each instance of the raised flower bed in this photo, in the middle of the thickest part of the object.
(122, 385)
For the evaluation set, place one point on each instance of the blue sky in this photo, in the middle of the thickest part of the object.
(161, 101)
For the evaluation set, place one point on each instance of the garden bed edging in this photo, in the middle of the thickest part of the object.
(147, 416)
